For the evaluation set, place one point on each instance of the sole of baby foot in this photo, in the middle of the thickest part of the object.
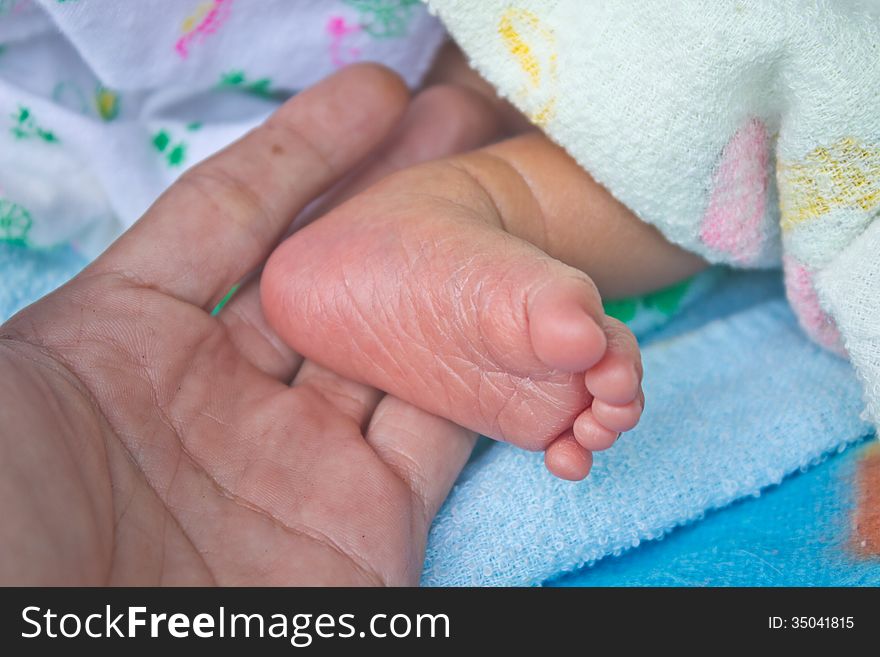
(422, 298)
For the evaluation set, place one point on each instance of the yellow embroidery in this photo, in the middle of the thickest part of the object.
(843, 175)
(107, 102)
(190, 22)
(511, 27)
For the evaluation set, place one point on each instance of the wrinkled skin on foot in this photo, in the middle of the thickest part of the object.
(145, 441)
(422, 286)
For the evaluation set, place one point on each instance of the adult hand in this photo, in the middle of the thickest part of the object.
(145, 441)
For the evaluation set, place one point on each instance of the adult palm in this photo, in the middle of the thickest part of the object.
(144, 440)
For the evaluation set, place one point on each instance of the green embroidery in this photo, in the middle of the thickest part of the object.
(15, 222)
(107, 103)
(666, 301)
(623, 309)
(384, 19)
(669, 298)
(224, 300)
(161, 140)
(232, 79)
(175, 154)
(238, 80)
(104, 102)
(25, 127)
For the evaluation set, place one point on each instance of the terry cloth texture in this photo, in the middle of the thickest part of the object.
(747, 131)
(104, 103)
(737, 398)
(807, 532)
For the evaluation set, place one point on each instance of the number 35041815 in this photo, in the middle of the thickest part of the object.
(811, 622)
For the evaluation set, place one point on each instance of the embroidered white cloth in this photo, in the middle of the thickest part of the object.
(104, 103)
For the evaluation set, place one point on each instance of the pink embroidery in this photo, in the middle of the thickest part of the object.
(732, 223)
(339, 30)
(21, 6)
(803, 298)
(207, 19)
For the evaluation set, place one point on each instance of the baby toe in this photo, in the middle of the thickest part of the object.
(566, 459)
(591, 435)
(563, 320)
(618, 418)
(617, 377)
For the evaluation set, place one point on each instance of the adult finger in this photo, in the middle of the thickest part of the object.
(356, 400)
(222, 217)
(440, 121)
(426, 451)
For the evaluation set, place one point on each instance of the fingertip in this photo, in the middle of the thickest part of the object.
(346, 113)
(464, 118)
(373, 81)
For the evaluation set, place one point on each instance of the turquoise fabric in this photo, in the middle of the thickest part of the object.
(737, 399)
(797, 534)
(27, 274)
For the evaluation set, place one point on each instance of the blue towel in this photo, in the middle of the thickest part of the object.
(737, 399)
(798, 534)
(27, 274)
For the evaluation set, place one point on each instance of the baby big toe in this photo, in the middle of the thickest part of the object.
(564, 327)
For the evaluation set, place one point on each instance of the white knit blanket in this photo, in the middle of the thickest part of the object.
(748, 131)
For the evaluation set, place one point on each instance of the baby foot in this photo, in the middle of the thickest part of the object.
(420, 296)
